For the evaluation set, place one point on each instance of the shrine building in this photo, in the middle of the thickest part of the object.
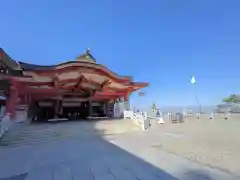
(77, 89)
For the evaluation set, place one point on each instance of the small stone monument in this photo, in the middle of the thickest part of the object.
(179, 117)
(173, 117)
(159, 117)
(198, 116)
(226, 115)
(211, 116)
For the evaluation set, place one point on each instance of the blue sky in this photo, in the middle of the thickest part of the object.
(162, 42)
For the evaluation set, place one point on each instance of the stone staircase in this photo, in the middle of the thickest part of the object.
(29, 134)
(40, 133)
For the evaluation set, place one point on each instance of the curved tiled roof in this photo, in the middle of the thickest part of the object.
(84, 60)
(32, 67)
(8, 60)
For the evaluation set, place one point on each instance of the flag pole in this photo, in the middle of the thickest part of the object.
(193, 81)
(198, 104)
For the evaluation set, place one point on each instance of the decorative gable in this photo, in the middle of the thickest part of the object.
(86, 57)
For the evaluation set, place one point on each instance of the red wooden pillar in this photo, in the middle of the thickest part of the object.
(26, 99)
(12, 100)
(126, 97)
(58, 108)
(29, 99)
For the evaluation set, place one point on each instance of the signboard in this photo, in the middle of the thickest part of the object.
(141, 93)
(71, 104)
(21, 115)
(22, 108)
(96, 104)
(45, 104)
(76, 99)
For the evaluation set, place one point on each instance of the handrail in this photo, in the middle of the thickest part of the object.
(158, 119)
(138, 118)
(4, 124)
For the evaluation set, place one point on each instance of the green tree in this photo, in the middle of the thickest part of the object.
(233, 98)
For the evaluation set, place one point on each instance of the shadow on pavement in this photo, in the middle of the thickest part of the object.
(91, 157)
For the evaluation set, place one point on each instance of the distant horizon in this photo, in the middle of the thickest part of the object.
(179, 107)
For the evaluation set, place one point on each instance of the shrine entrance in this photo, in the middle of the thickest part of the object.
(41, 111)
(45, 113)
(51, 109)
(75, 111)
(45, 110)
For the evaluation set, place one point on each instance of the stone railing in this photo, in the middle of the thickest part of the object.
(4, 124)
(127, 114)
(157, 119)
(139, 118)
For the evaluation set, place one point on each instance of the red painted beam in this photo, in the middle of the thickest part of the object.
(39, 91)
(38, 83)
(44, 96)
(84, 69)
(69, 88)
(110, 93)
(63, 82)
(139, 85)
(104, 86)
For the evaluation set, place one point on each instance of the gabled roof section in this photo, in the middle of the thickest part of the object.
(85, 60)
(86, 57)
(27, 66)
(9, 62)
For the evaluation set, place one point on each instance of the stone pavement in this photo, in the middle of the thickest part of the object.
(94, 151)
(214, 143)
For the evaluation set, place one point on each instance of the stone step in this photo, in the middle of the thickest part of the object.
(36, 141)
(41, 133)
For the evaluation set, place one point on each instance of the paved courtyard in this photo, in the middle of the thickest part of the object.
(214, 143)
(96, 150)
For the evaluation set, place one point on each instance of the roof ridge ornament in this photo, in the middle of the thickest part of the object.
(88, 51)
(86, 56)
